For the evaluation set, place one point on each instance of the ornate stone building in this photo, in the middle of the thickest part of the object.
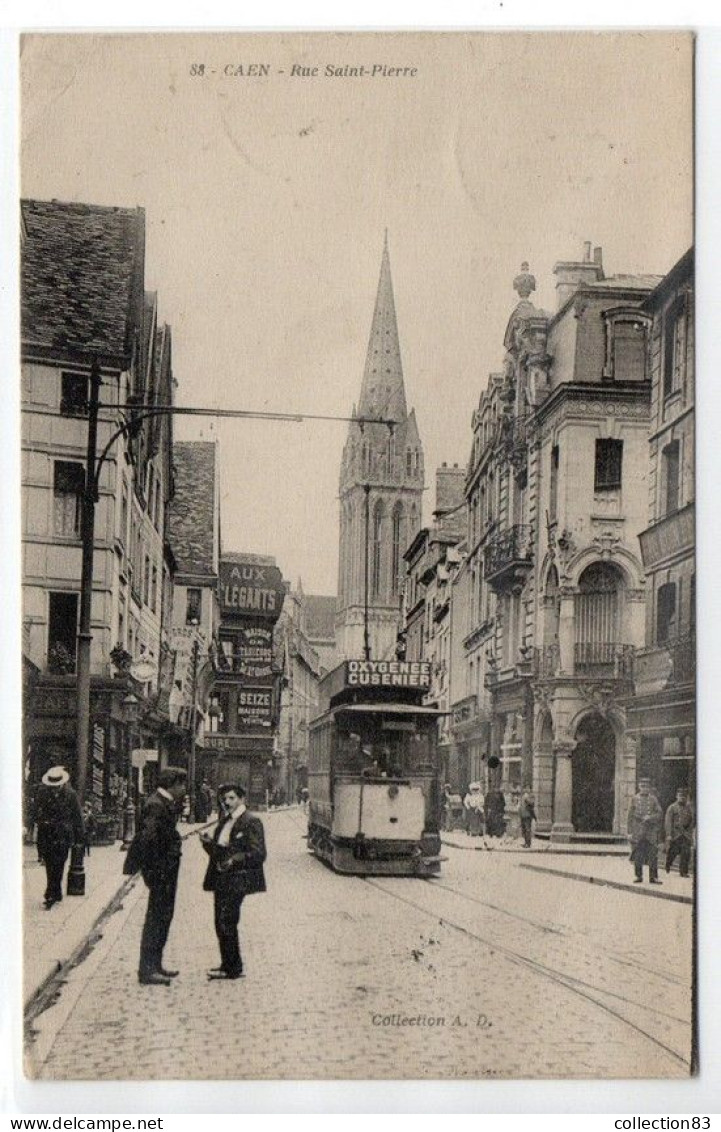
(557, 496)
(381, 486)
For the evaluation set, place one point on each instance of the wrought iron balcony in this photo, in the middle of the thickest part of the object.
(508, 558)
(604, 659)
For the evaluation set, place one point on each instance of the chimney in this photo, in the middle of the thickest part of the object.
(571, 275)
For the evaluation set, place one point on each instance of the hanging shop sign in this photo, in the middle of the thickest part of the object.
(250, 589)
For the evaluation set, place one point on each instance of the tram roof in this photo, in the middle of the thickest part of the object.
(390, 709)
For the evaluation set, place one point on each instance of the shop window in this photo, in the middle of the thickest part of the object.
(666, 613)
(609, 460)
(68, 490)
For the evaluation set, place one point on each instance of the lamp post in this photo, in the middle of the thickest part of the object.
(193, 725)
(131, 704)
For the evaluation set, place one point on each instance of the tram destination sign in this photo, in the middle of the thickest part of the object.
(388, 673)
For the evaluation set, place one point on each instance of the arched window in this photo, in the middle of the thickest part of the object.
(597, 613)
(397, 548)
(377, 548)
(409, 466)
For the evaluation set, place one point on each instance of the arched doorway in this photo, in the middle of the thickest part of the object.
(594, 768)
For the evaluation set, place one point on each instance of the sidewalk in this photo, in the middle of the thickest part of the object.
(460, 840)
(51, 938)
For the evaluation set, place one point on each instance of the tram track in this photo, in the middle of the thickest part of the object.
(551, 930)
(610, 1002)
(574, 985)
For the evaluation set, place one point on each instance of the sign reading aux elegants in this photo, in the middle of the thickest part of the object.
(251, 589)
(388, 673)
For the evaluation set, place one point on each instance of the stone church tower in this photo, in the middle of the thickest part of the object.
(381, 486)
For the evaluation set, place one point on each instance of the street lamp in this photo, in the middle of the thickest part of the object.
(193, 724)
(137, 413)
(131, 705)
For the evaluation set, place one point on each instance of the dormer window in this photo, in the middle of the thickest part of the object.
(626, 340)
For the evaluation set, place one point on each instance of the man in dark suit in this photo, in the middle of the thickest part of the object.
(156, 850)
(237, 851)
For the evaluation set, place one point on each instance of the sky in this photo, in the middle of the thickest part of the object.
(267, 197)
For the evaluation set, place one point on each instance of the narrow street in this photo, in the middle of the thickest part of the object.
(491, 970)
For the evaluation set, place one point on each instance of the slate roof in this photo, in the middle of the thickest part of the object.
(82, 269)
(319, 614)
(191, 528)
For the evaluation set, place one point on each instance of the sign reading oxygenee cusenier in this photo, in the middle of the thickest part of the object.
(388, 673)
(248, 588)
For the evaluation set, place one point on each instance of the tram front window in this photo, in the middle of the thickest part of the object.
(384, 753)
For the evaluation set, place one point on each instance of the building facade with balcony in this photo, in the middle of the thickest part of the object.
(556, 492)
(662, 714)
(432, 562)
(580, 383)
(83, 301)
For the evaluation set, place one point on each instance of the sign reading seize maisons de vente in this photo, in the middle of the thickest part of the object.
(250, 589)
(388, 673)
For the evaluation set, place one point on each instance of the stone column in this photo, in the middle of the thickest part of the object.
(543, 785)
(562, 828)
(566, 630)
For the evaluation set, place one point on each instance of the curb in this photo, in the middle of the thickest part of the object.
(611, 884)
(525, 852)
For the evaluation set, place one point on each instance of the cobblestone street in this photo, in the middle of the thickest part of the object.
(490, 971)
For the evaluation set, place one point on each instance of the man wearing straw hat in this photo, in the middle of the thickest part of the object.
(60, 826)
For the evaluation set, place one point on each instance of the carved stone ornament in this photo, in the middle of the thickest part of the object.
(524, 283)
(606, 543)
(544, 696)
(602, 696)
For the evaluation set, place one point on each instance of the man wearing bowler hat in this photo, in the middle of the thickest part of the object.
(60, 826)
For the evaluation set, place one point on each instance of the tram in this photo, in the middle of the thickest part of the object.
(373, 775)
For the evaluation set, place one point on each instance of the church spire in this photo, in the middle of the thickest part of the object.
(383, 392)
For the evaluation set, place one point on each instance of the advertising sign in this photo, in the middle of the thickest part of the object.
(255, 707)
(388, 673)
(250, 653)
(248, 588)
